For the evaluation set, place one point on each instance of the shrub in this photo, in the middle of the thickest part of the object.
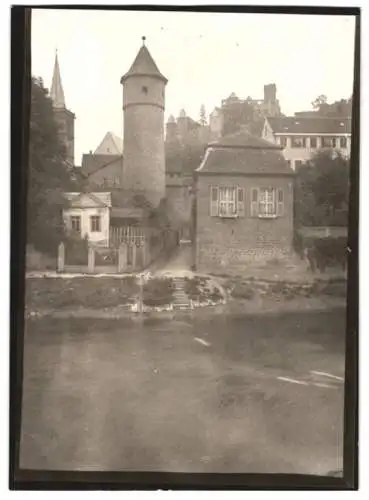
(106, 257)
(80, 292)
(158, 292)
(324, 252)
(215, 295)
(243, 291)
(334, 289)
(279, 288)
(76, 250)
(298, 243)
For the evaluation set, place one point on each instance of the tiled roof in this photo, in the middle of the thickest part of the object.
(91, 162)
(243, 154)
(103, 198)
(310, 125)
(144, 64)
(243, 140)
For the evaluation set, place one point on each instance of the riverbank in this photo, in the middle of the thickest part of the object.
(233, 307)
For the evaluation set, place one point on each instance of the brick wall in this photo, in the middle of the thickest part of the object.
(225, 243)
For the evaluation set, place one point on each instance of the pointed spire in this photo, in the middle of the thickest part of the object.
(57, 92)
(144, 65)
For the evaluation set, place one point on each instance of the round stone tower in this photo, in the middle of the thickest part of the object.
(143, 114)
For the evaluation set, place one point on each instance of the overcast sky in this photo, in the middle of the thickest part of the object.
(204, 56)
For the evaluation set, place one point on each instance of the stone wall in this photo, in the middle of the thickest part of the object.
(226, 243)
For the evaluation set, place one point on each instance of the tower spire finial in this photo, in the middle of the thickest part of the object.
(56, 92)
(143, 40)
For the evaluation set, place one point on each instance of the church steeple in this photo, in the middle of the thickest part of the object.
(57, 92)
(63, 117)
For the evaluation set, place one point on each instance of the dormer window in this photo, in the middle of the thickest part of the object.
(145, 89)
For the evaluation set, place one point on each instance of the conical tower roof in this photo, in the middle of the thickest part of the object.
(144, 65)
(57, 92)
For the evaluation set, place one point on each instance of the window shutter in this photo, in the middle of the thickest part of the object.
(254, 202)
(280, 203)
(214, 201)
(241, 202)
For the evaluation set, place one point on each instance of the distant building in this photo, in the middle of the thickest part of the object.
(268, 106)
(63, 116)
(302, 136)
(244, 204)
(110, 145)
(185, 129)
(216, 124)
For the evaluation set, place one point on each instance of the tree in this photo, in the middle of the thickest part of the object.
(203, 119)
(319, 102)
(339, 109)
(236, 114)
(322, 190)
(48, 175)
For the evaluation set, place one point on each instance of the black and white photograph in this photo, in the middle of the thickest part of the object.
(187, 207)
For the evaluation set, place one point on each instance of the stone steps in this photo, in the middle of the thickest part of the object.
(181, 299)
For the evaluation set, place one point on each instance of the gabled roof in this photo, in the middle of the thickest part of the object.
(309, 125)
(91, 162)
(97, 199)
(144, 65)
(57, 92)
(113, 141)
(244, 154)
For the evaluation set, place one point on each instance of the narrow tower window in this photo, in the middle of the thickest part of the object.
(145, 90)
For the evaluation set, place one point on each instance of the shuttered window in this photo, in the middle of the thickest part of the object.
(214, 200)
(280, 203)
(267, 202)
(227, 201)
(240, 202)
(267, 205)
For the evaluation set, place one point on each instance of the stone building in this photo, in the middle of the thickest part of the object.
(63, 116)
(244, 204)
(268, 106)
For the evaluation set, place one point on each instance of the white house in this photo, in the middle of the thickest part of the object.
(301, 137)
(89, 215)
